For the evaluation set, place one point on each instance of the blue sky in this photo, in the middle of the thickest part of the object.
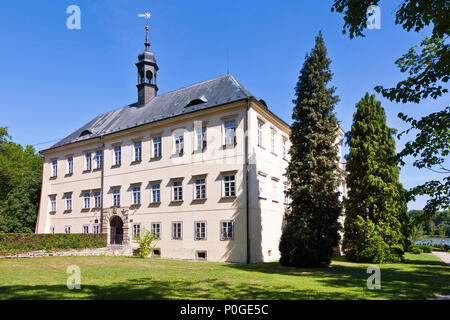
(53, 80)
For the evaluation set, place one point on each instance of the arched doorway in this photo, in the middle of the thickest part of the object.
(116, 227)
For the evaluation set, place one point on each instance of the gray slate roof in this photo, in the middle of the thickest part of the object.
(217, 91)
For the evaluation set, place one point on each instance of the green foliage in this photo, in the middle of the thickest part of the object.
(312, 226)
(416, 250)
(439, 222)
(20, 186)
(425, 248)
(147, 242)
(428, 69)
(376, 225)
(22, 242)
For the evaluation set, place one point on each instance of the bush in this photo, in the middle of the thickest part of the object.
(22, 242)
(425, 248)
(416, 250)
(145, 240)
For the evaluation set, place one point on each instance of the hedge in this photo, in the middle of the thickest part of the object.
(23, 242)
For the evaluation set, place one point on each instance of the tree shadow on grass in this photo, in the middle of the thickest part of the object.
(149, 289)
(414, 279)
(420, 280)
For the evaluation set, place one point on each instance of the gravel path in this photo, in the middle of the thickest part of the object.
(444, 256)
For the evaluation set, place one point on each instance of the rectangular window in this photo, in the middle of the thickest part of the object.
(230, 132)
(178, 140)
(96, 228)
(137, 195)
(97, 199)
(177, 191)
(67, 229)
(157, 147)
(156, 230)
(156, 193)
(200, 230)
(98, 159)
(54, 168)
(53, 204)
(177, 230)
(52, 229)
(116, 197)
(262, 186)
(117, 155)
(69, 165)
(136, 230)
(260, 133)
(69, 202)
(227, 230)
(88, 163)
(229, 185)
(284, 146)
(200, 189)
(272, 140)
(200, 138)
(86, 229)
(86, 200)
(138, 151)
(274, 190)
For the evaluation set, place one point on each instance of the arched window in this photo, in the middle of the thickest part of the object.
(141, 77)
(149, 76)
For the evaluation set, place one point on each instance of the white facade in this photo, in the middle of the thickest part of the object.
(187, 197)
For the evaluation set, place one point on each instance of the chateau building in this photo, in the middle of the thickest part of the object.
(201, 167)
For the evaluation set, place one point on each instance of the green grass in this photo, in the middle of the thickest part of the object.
(420, 277)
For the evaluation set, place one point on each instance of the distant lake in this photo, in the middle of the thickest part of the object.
(435, 241)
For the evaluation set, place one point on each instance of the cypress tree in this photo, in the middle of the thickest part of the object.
(312, 226)
(375, 209)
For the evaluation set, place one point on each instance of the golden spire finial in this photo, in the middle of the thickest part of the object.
(146, 28)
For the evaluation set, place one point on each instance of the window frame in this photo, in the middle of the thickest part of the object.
(88, 198)
(201, 185)
(69, 165)
(136, 193)
(88, 161)
(222, 237)
(54, 168)
(180, 223)
(98, 159)
(52, 203)
(117, 155)
(205, 230)
(232, 185)
(157, 190)
(174, 190)
(159, 224)
(226, 129)
(68, 200)
(134, 227)
(157, 147)
(116, 197)
(137, 151)
(178, 142)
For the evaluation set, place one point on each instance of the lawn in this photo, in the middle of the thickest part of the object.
(420, 277)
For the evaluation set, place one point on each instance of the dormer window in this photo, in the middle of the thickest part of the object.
(196, 101)
(85, 133)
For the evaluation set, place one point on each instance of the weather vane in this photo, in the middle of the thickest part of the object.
(146, 15)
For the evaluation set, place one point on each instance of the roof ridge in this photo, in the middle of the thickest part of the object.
(194, 84)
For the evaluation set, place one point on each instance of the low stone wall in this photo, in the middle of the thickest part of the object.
(108, 251)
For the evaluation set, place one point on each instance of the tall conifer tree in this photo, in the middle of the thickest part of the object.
(374, 228)
(312, 226)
